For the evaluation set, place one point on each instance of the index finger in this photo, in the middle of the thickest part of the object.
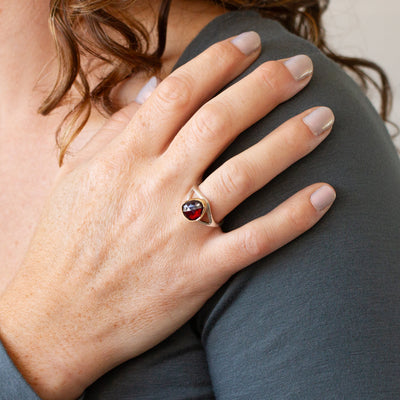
(179, 95)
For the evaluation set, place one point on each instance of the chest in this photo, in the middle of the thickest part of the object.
(28, 169)
(26, 176)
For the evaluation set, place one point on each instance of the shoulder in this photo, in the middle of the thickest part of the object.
(236, 22)
(277, 41)
(329, 79)
(330, 85)
(358, 158)
(359, 141)
(315, 276)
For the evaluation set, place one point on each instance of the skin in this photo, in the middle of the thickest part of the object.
(29, 159)
(135, 281)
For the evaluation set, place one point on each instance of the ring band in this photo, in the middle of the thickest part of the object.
(195, 208)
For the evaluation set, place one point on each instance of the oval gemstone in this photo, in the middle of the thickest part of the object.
(192, 209)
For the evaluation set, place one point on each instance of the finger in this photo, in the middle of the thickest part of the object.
(224, 117)
(244, 174)
(126, 92)
(232, 251)
(117, 122)
(112, 128)
(181, 93)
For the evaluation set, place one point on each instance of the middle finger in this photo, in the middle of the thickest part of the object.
(223, 118)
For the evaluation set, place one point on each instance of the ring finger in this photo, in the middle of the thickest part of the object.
(242, 175)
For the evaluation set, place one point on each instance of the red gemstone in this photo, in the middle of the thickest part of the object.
(192, 209)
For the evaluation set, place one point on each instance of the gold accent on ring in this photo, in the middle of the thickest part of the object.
(206, 207)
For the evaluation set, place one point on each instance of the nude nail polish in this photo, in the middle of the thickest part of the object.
(247, 42)
(323, 197)
(320, 120)
(147, 90)
(300, 67)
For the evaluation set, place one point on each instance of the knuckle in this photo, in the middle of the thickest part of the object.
(292, 142)
(175, 159)
(99, 175)
(295, 140)
(105, 167)
(210, 121)
(122, 117)
(253, 243)
(296, 218)
(175, 91)
(236, 180)
(270, 75)
(114, 164)
(219, 54)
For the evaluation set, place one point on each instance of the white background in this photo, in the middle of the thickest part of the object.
(369, 29)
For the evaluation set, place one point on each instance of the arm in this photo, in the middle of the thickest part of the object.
(12, 384)
(89, 294)
(319, 318)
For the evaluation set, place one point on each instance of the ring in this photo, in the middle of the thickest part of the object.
(195, 208)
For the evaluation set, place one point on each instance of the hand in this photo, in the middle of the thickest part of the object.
(114, 267)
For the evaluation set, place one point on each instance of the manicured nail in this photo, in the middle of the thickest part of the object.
(300, 67)
(147, 90)
(320, 120)
(247, 42)
(323, 197)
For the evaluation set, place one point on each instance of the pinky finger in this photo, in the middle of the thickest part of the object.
(243, 246)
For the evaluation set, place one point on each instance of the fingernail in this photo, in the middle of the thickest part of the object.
(320, 120)
(300, 67)
(323, 197)
(147, 90)
(247, 42)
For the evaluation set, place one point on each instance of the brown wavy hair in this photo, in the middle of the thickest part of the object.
(121, 44)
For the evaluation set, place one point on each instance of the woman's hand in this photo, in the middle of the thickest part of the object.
(114, 267)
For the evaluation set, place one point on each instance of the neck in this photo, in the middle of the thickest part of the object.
(28, 58)
(26, 52)
(186, 19)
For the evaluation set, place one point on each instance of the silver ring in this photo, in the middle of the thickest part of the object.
(196, 208)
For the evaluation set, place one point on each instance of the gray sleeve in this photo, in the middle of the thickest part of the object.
(319, 318)
(12, 384)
